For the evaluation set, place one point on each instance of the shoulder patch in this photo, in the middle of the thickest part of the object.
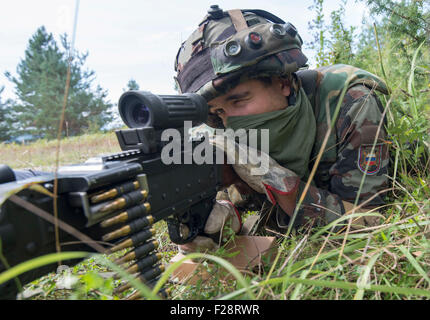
(369, 159)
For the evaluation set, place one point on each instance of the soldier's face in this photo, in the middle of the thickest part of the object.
(251, 97)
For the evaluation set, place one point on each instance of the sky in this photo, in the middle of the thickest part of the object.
(134, 39)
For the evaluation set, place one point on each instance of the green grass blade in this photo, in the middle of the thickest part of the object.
(337, 285)
(411, 86)
(351, 286)
(38, 262)
(300, 265)
(414, 263)
(380, 54)
(6, 265)
(298, 288)
(363, 280)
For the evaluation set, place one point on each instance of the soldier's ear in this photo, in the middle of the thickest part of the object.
(284, 86)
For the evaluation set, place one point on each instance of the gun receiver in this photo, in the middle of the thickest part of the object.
(115, 199)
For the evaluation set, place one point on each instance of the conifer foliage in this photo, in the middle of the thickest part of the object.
(407, 19)
(40, 85)
(132, 85)
(4, 118)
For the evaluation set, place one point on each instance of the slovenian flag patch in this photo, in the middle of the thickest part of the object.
(370, 159)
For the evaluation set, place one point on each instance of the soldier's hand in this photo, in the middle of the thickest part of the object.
(223, 214)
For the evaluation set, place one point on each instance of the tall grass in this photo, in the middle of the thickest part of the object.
(389, 261)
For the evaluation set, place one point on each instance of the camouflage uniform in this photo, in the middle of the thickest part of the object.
(349, 147)
(232, 47)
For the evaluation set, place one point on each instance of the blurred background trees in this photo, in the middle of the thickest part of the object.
(40, 85)
(393, 43)
(5, 121)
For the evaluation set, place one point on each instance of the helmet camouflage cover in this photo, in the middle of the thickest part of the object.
(230, 47)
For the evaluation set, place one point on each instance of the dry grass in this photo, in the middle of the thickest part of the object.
(40, 155)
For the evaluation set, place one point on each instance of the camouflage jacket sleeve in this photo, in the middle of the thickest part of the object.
(356, 128)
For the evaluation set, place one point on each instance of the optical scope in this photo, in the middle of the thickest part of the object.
(144, 109)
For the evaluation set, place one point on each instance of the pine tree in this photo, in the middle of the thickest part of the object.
(132, 85)
(407, 19)
(5, 119)
(40, 86)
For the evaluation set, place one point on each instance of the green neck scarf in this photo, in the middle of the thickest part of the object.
(291, 133)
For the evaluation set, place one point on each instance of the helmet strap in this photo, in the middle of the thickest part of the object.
(294, 87)
(237, 19)
(292, 97)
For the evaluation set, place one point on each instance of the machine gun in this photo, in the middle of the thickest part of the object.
(115, 199)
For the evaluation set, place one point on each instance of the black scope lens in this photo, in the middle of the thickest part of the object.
(141, 114)
(144, 109)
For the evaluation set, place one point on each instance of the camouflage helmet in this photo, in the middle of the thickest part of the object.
(231, 46)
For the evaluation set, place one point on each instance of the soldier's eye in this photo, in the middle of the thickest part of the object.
(218, 111)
